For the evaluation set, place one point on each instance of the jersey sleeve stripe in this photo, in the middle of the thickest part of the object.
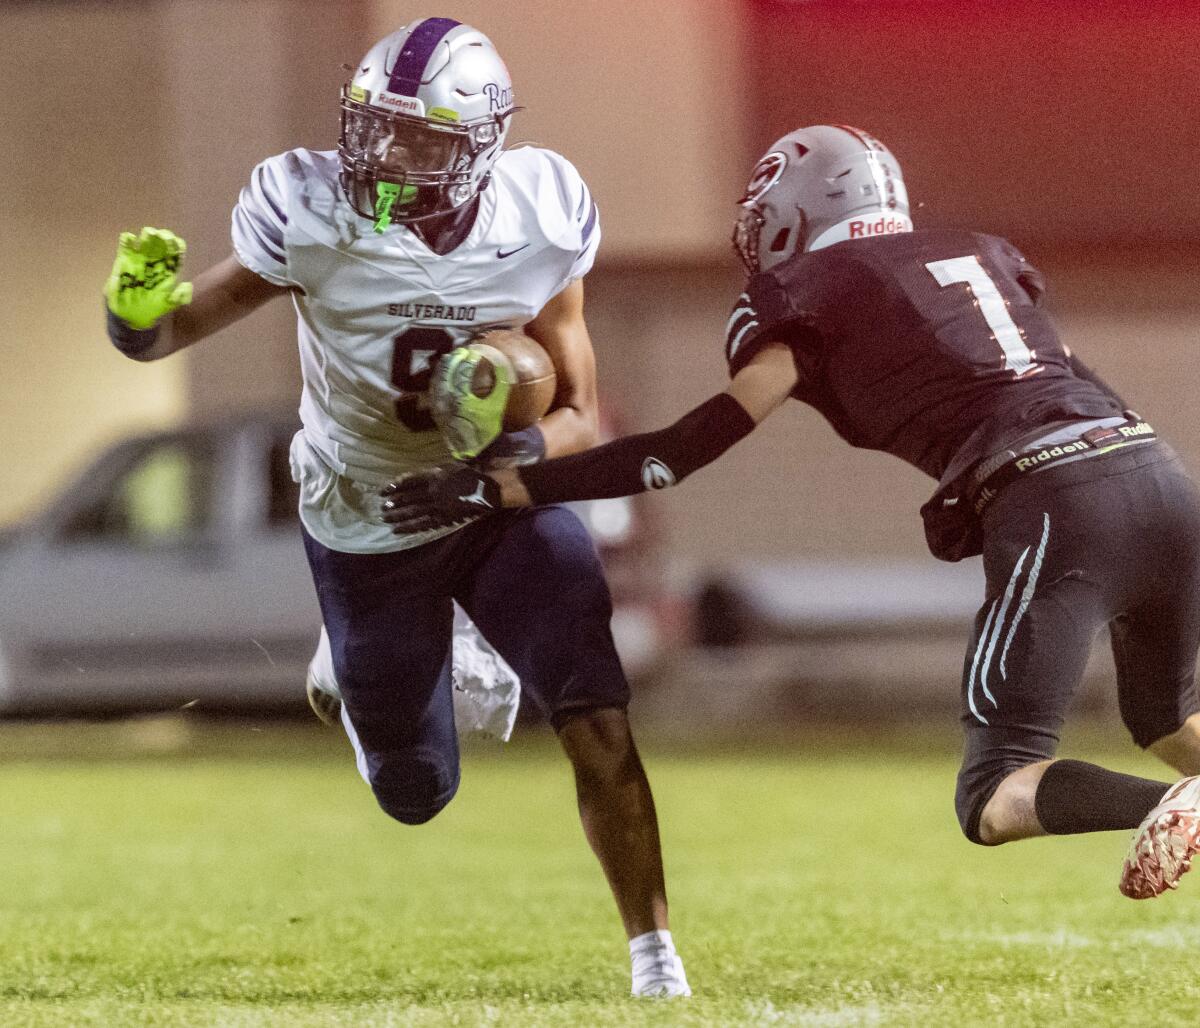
(736, 341)
(260, 230)
(591, 224)
(247, 236)
(743, 309)
(260, 220)
(278, 254)
(267, 195)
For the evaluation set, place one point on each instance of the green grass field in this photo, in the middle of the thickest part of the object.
(158, 874)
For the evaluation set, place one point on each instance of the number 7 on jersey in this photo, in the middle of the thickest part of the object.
(1018, 358)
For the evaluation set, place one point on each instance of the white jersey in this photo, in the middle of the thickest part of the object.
(377, 310)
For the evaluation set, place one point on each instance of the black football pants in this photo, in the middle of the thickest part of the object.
(1112, 540)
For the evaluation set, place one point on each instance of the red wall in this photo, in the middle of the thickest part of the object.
(1052, 120)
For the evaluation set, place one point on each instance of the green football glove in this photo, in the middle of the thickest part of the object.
(143, 286)
(467, 396)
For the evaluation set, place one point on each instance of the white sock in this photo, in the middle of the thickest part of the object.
(650, 941)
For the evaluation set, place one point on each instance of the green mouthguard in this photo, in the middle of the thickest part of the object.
(387, 195)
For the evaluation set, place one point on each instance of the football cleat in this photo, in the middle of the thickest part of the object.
(321, 685)
(1166, 842)
(658, 971)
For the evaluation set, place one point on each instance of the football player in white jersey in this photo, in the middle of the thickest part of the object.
(418, 233)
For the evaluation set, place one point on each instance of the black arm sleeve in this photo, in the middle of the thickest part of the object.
(652, 460)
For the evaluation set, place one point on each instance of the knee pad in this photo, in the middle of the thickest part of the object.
(413, 788)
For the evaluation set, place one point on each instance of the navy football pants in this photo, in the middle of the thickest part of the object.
(533, 584)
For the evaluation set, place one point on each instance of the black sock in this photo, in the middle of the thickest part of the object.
(1074, 797)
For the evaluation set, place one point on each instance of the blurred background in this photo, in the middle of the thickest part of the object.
(791, 578)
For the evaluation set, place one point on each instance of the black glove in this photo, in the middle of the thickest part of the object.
(438, 499)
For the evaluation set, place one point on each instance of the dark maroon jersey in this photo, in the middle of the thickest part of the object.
(931, 346)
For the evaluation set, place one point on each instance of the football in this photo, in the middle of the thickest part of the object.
(534, 380)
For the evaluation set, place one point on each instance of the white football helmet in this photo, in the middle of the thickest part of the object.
(817, 186)
(423, 120)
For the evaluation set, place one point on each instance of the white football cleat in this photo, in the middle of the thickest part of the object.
(1166, 842)
(323, 694)
(657, 968)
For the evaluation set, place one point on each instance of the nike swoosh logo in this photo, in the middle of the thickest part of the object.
(476, 497)
(501, 254)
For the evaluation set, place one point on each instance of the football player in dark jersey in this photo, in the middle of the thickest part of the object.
(933, 346)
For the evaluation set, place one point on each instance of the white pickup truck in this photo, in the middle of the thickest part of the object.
(171, 572)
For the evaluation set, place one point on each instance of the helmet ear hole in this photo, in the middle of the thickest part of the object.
(780, 242)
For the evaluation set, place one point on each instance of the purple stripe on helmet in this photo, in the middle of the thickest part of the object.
(418, 48)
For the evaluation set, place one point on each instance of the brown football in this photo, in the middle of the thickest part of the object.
(534, 380)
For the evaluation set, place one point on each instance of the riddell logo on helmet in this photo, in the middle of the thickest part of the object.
(879, 227)
(407, 104)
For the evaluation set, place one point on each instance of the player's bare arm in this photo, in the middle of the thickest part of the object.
(473, 420)
(651, 460)
(223, 294)
(763, 384)
(152, 315)
(573, 424)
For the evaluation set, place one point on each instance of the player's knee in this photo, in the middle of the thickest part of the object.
(990, 831)
(1176, 744)
(414, 789)
(396, 808)
(971, 797)
(409, 808)
(598, 743)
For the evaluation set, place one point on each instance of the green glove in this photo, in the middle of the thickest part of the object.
(142, 286)
(467, 396)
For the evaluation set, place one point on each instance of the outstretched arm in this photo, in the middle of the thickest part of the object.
(151, 314)
(655, 460)
(652, 460)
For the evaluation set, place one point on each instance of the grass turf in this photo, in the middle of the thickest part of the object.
(157, 874)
